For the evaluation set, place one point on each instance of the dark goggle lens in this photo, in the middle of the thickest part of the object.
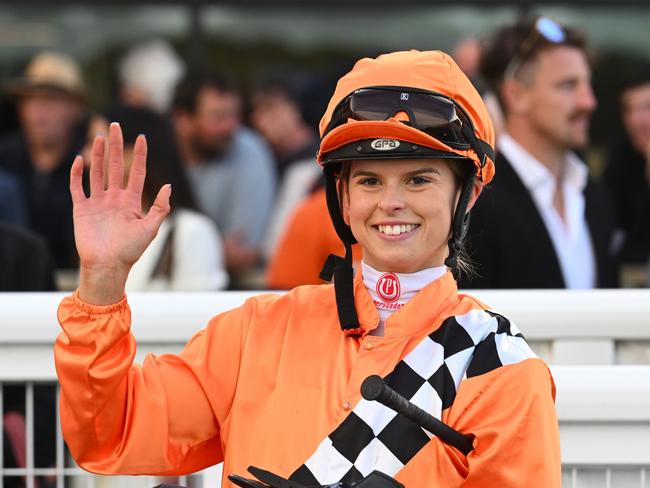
(432, 114)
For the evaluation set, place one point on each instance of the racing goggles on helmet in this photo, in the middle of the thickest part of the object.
(433, 114)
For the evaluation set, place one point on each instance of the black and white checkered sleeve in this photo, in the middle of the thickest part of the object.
(374, 437)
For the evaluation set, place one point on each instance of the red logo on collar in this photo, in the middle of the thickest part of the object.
(388, 287)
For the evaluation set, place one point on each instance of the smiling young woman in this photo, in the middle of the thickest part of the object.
(401, 212)
(276, 382)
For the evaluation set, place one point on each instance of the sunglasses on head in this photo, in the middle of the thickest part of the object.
(543, 29)
(431, 113)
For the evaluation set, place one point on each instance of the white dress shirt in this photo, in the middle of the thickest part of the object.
(570, 236)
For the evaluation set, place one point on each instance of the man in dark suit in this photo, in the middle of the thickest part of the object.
(543, 222)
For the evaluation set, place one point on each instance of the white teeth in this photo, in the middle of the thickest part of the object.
(395, 230)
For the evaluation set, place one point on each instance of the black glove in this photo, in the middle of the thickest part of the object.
(376, 479)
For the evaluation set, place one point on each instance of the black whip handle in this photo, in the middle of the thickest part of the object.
(374, 388)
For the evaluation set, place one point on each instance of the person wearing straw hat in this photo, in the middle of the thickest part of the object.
(406, 148)
(50, 101)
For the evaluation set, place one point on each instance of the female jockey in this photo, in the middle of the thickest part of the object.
(406, 147)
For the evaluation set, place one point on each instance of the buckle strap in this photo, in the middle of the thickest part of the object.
(341, 270)
(333, 261)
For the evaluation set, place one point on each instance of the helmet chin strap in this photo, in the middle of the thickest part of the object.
(459, 225)
(337, 267)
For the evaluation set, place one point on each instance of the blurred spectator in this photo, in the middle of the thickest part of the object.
(496, 113)
(280, 105)
(187, 252)
(12, 207)
(25, 261)
(8, 117)
(50, 102)
(14, 422)
(627, 171)
(148, 74)
(277, 114)
(467, 54)
(543, 223)
(230, 167)
(26, 265)
(308, 240)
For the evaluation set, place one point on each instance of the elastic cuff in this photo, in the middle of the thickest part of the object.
(91, 309)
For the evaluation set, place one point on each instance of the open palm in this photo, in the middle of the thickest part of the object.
(111, 230)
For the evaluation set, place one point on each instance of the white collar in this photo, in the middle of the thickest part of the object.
(391, 291)
(396, 292)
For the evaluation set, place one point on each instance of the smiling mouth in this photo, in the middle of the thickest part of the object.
(395, 230)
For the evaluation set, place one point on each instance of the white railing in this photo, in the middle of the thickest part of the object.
(604, 408)
(564, 327)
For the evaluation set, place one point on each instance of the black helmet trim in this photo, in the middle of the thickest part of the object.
(385, 148)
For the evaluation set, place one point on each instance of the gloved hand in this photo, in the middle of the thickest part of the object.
(376, 479)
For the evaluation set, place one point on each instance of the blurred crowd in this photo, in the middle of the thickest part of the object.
(248, 203)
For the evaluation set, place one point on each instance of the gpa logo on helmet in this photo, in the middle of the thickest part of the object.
(384, 144)
(388, 287)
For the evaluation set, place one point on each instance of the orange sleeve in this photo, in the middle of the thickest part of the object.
(163, 417)
(307, 241)
(511, 411)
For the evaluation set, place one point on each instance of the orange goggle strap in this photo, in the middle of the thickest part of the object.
(340, 267)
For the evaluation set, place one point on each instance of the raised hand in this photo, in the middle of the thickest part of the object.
(111, 230)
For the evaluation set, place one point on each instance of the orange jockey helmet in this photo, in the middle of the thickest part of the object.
(402, 105)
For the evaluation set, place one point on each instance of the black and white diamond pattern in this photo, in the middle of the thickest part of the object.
(374, 437)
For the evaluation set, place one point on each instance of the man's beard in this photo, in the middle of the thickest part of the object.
(581, 140)
(210, 150)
